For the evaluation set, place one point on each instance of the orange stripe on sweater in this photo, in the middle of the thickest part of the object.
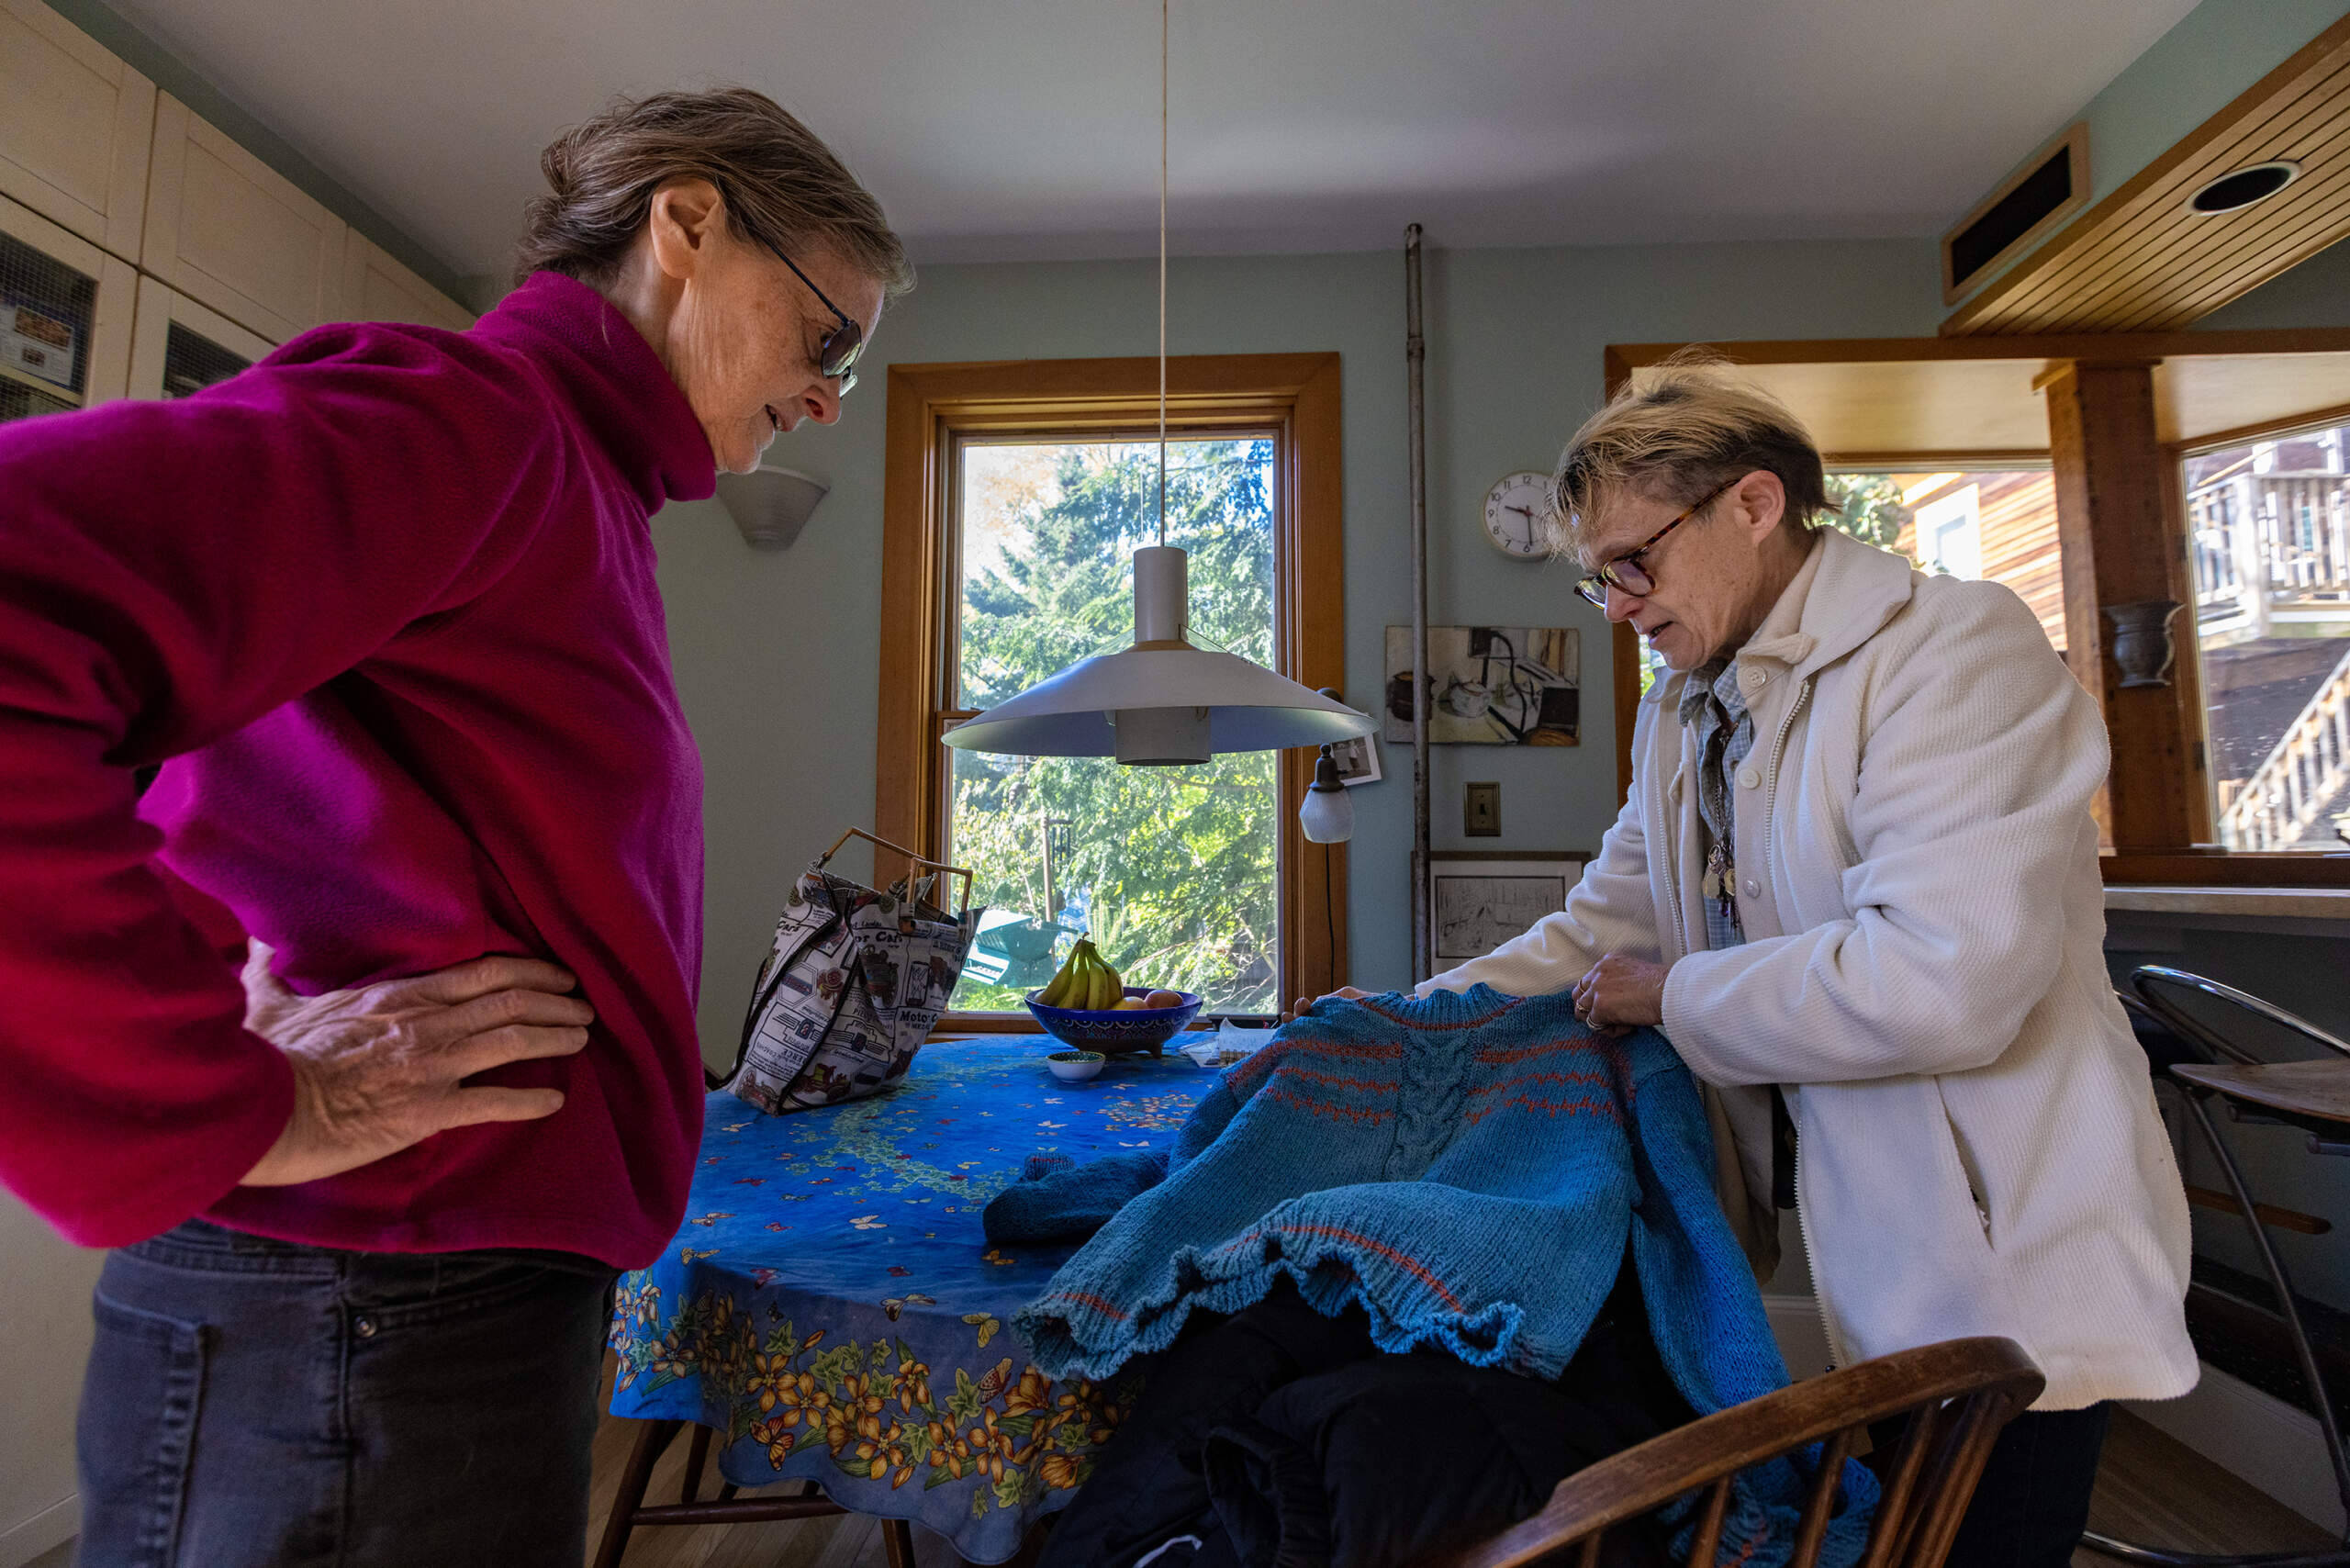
(1539, 1078)
(1551, 1107)
(1370, 1085)
(1412, 1265)
(1505, 1056)
(1095, 1302)
(1319, 1108)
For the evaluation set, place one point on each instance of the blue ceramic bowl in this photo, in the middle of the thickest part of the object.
(1134, 1029)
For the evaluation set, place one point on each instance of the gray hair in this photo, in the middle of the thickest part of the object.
(784, 189)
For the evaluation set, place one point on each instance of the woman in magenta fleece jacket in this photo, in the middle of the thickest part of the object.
(384, 610)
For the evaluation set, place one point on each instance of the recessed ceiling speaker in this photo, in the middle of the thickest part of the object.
(770, 505)
(2238, 189)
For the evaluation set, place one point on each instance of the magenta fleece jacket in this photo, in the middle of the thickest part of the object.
(383, 608)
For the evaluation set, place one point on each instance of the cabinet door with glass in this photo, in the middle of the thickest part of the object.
(179, 347)
(66, 318)
(231, 232)
(75, 125)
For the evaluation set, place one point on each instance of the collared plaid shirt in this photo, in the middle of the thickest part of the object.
(1713, 705)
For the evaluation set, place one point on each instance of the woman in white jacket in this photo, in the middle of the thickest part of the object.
(1857, 879)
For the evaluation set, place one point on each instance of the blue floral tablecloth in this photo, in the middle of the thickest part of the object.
(831, 1308)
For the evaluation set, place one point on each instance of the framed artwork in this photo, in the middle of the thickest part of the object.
(1480, 899)
(1357, 760)
(1490, 685)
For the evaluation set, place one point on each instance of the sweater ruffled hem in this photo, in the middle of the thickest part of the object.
(1073, 1337)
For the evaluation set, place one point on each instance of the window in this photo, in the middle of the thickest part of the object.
(1998, 523)
(1171, 869)
(2268, 525)
(1016, 495)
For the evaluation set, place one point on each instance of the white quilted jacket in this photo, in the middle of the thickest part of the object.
(1917, 882)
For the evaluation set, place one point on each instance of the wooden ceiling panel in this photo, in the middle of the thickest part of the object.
(1934, 401)
(2140, 260)
(2112, 269)
(1916, 408)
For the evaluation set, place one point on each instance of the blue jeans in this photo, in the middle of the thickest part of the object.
(257, 1402)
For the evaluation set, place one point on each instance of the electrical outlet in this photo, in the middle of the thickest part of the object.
(1481, 811)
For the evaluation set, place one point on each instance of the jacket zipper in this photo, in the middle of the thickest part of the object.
(1837, 1358)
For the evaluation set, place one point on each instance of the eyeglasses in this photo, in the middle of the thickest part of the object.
(1625, 573)
(836, 353)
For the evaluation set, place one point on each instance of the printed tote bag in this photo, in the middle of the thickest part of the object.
(852, 986)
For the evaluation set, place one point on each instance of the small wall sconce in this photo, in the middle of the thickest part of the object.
(771, 505)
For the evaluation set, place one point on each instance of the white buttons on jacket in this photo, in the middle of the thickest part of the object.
(1748, 778)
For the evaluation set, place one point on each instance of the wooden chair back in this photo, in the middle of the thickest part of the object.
(1957, 1395)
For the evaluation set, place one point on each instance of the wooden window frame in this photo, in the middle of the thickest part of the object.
(930, 406)
(2153, 734)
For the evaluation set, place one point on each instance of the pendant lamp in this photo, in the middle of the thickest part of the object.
(1164, 702)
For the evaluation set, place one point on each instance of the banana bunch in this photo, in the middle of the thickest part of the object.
(1085, 981)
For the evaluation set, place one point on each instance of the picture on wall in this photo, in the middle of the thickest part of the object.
(1490, 685)
(1479, 900)
(1357, 760)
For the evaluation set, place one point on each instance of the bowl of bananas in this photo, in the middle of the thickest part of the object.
(1089, 1005)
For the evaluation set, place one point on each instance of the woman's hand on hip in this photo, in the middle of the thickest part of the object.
(380, 1068)
(1621, 992)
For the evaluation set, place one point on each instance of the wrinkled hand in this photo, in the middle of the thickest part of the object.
(1305, 1005)
(1620, 992)
(380, 1068)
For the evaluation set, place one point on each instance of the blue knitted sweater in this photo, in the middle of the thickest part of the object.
(1470, 1168)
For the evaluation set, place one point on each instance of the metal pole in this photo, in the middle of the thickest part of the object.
(1416, 358)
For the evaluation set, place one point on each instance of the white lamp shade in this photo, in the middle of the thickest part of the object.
(1163, 684)
(1249, 707)
(770, 505)
(1328, 816)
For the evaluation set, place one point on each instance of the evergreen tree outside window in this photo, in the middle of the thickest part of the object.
(1174, 871)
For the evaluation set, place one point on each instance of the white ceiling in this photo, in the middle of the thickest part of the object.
(1016, 130)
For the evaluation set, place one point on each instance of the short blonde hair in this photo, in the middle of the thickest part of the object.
(1690, 427)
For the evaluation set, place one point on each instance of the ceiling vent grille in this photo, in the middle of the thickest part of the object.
(2052, 184)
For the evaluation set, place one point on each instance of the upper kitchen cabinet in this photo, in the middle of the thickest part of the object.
(231, 232)
(66, 318)
(178, 348)
(75, 124)
(377, 288)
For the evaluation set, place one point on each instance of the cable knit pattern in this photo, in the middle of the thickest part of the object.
(1470, 1168)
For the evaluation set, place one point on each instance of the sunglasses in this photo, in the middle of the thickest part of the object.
(1626, 574)
(836, 354)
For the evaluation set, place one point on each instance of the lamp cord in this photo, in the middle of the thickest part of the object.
(1162, 272)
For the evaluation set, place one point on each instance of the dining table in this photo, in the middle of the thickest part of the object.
(831, 1309)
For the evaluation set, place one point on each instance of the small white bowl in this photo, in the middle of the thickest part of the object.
(1076, 1066)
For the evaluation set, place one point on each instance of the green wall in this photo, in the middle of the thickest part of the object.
(775, 653)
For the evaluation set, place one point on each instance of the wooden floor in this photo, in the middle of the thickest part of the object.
(2156, 1491)
(2150, 1489)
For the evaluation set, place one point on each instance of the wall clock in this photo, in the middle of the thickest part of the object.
(1517, 509)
